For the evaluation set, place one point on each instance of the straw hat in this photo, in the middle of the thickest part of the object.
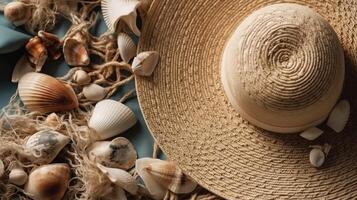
(236, 76)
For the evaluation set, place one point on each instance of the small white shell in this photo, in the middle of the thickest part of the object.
(22, 67)
(339, 116)
(18, 176)
(145, 63)
(111, 118)
(17, 12)
(94, 92)
(81, 77)
(120, 178)
(317, 157)
(119, 153)
(312, 133)
(127, 47)
(45, 145)
(115, 11)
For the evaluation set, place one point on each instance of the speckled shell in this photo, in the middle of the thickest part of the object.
(44, 94)
(111, 118)
(127, 47)
(75, 52)
(145, 63)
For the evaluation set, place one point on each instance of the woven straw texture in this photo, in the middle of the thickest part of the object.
(186, 109)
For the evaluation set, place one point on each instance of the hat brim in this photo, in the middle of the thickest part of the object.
(187, 112)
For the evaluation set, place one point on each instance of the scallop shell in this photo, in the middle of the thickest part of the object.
(120, 178)
(317, 157)
(45, 145)
(17, 13)
(312, 133)
(75, 52)
(18, 176)
(159, 176)
(127, 47)
(44, 94)
(22, 67)
(339, 116)
(48, 182)
(111, 118)
(119, 153)
(81, 77)
(37, 52)
(145, 63)
(94, 92)
(115, 11)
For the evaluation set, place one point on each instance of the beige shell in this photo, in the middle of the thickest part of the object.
(52, 43)
(117, 194)
(317, 157)
(45, 94)
(18, 176)
(339, 116)
(18, 13)
(127, 47)
(94, 92)
(118, 153)
(279, 86)
(22, 67)
(52, 120)
(120, 178)
(116, 11)
(45, 145)
(37, 52)
(48, 182)
(75, 52)
(81, 77)
(312, 133)
(145, 63)
(110, 118)
(159, 176)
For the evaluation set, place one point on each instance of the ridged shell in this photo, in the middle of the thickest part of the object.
(127, 47)
(111, 118)
(75, 53)
(159, 176)
(18, 176)
(45, 145)
(338, 118)
(81, 77)
(115, 11)
(145, 63)
(118, 153)
(22, 67)
(44, 94)
(94, 92)
(48, 182)
(37, 52)
(17, 13)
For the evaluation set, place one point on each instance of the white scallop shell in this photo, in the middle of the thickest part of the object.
(311, 133)
(94, 92)
(145, 63)
(127, 47)
(45, 145)
(22, 67)
(111, 118)
(339, 116)
(120, 10)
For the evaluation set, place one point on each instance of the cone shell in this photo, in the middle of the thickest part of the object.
(45, 145)
(18, 176)
(94, 92)
(17, 12)
(22, 67)
(48, 182)
(111, 118)
(75, 52)
(145, 63)
(115, 11)
(37, 52)
(339, 116)
(119, 153)
(127, 47)
(44, 94)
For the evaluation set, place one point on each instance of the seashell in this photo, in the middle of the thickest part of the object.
(145, 62)
(339, 116)
(312, 133)
(45, 145)
(159, 176)
(75, 52)
(18, 176)
(111, 118)
(2, 168)
(317, 157)
(22, 67)
(48, 182)
(52, 120)
(52, 42)
(115, 11)
(119, 153)
(37, 52)
(94, 92)
(120, 178)
(127, 47)
(44, 94)
(117, 194)
(17, 13)
(81, 77)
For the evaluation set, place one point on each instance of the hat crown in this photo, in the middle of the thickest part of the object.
(283, 68)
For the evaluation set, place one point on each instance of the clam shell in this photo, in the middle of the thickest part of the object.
(111, 118)
(45, 145)
(75, 53)
(159, 176)
(37, 52)
(317, 157)
(22, 67)
(339, 116)
(312, 133)
(120, 178)
(81, 77)
(18, 176)
(145, 62)
(48, 182)
(94, 92)
(127, 47)
(18, 13)
(44, 94)
(115, 11)
(119, 153)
